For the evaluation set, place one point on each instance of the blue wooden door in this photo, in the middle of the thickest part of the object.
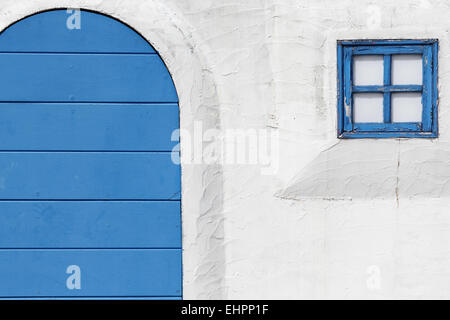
(89, 194)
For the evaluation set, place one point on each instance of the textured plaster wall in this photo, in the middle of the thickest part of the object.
(338, 219)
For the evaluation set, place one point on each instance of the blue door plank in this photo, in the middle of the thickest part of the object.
(94, 127)
(85, 78)
(92, 298)
(88, 224)
(89, 175)
(48, 32)
(103, 273)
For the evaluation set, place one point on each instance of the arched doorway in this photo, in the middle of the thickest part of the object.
(89, 195)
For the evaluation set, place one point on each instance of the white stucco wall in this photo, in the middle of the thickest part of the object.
(339, 218)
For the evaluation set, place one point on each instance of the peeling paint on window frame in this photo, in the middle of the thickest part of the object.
(427, 128)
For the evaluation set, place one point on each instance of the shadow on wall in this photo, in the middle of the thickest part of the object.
(203, 189)
(374, 169)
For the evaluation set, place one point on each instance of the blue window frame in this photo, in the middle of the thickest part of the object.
(426, 128)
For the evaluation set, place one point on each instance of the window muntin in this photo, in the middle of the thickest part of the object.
(387, 89)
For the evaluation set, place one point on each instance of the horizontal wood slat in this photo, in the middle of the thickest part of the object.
(49, 32)
(100, 176)
(73, 224)
(88, 127)
(117, 272)
(388, 88)
(85, 78)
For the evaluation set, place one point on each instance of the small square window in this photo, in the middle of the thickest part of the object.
(387, 88)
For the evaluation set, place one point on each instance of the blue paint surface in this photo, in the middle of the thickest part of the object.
(48, 32)
(104, 272)
(387, 88)
(427, 128)
(379, 127)
(88, 126)
(89, 175)
(90, 224)
(386, 49)
(90, 199)
(387, 83)
(85, 78)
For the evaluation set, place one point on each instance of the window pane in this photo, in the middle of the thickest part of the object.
(367, 107)
(368, 70)
(406, 107)
(407, 69)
